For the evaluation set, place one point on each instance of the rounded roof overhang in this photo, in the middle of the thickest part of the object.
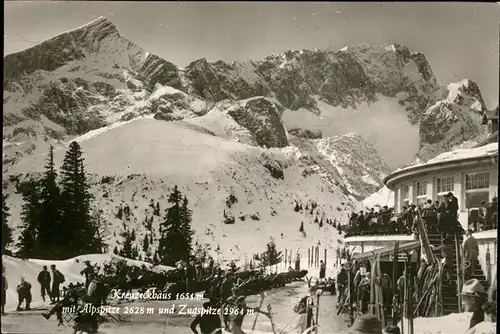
(490, 158)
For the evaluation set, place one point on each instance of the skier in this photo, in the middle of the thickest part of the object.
(24, 294)
(44, 280)
(86, 272)
(57, 280)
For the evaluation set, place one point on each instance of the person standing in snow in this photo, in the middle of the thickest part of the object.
(322, 269)
(297, 262)
(24, 294)
(57, 280)
(87, 271)
(44, 280)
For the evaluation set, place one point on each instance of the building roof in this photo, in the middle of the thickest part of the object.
(447, 159)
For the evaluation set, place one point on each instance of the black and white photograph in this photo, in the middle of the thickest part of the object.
(250, 167)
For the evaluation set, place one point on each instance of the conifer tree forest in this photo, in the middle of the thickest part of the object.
(58, 221)
(56, 216)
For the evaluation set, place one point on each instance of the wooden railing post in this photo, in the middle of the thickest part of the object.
(424, 239)
(459, 272)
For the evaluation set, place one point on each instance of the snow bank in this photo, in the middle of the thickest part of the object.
(450, 324)
(71, 268)
(384, 196)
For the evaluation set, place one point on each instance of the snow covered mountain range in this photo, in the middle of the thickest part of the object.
(272, 133)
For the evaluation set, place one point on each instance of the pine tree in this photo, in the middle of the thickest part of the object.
(28, 243)
(321, 223)
(187, 232)
(6, 229)
(176, 234)
(316, 220)
(271, 256)
(77, 230)
(135, 253)
(50, 213)
(127, 246)
(145, 243)
(115, 251)
(301, 229)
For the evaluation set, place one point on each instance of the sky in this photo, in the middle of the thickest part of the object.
(460, 40)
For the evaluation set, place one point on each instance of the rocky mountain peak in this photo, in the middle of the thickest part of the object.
(453, 120)
(58, 50)
(466, 93)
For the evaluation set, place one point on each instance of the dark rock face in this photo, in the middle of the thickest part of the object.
(262, 117)
(223, 81)
(343, 78)
(156, 70)
(71, 46)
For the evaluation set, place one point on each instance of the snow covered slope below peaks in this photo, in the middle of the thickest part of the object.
(139, 163)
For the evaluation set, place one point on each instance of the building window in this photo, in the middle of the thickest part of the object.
(475, 181)
(444, 185)
(406, 196)
(476, 189)
(421, 192)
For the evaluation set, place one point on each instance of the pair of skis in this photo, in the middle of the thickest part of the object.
(314, 327)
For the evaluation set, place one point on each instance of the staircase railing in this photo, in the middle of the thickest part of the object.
(459, 271)
(424, 238)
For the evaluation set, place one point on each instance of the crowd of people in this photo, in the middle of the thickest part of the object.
(437, 216)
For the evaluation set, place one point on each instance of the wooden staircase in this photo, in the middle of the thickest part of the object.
(450, 290)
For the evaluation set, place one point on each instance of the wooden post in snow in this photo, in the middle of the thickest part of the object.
(325, 256)
(317, 256)
(308, 258)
